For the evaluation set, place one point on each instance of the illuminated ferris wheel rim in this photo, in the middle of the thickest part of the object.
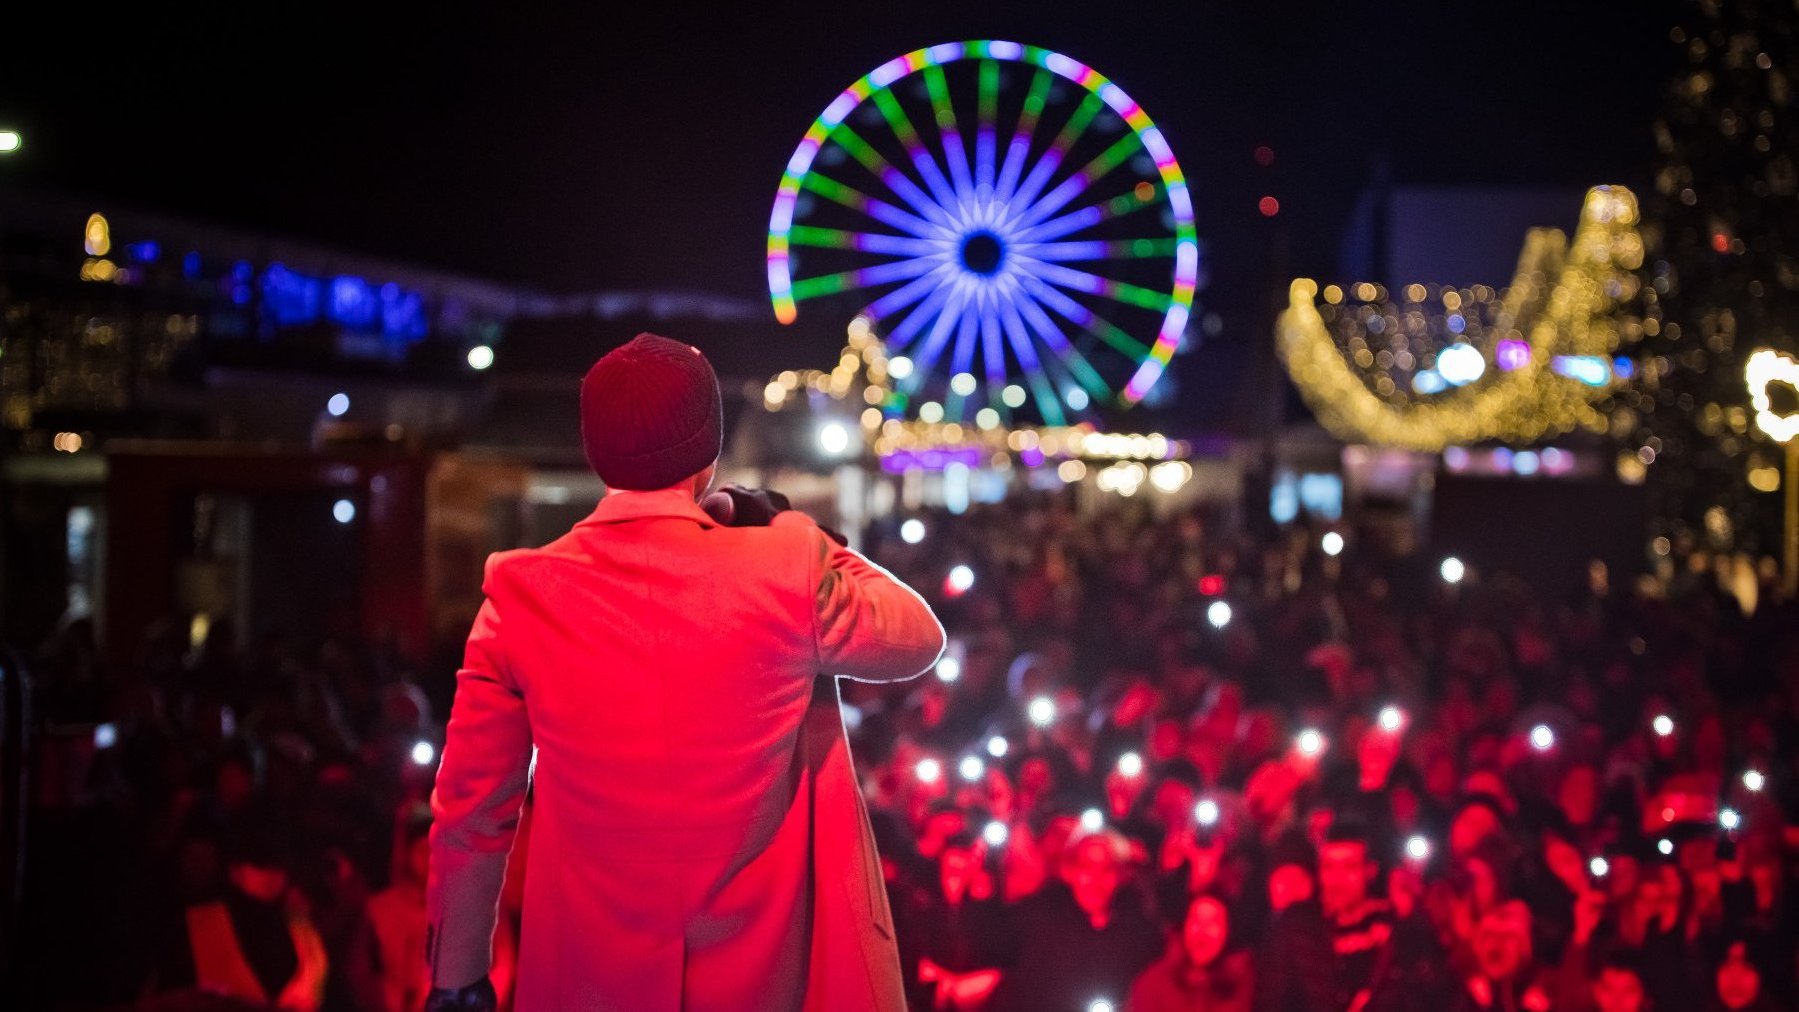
(966, 218)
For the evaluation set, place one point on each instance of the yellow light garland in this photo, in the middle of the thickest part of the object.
(1563, 301)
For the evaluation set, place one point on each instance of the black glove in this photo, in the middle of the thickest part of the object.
(476, 997)
(736, 506)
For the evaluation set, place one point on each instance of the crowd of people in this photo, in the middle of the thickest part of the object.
(1165, 765)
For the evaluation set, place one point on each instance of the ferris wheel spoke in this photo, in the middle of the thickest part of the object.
(1048, 403)
(901, 125)
(1058, 151)
(1065, 351)
(911, 292)
(873, 207)
(902, 333)
(954, 315)
(867, 242)
(1020, 147)
(1089, 216)
(1113, 335)
(864, 277)
(1097, 249)
(985, 138)
(895, 180)
(1089, 174)
(948, 135)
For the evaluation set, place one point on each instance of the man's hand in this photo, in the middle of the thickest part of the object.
(476, 997)
(736, 506)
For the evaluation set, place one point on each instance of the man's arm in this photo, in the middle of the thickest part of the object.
(475, 807)
(867, 624)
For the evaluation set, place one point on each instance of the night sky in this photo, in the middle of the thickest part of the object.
(638, 144)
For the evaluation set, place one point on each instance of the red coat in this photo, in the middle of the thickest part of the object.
(698, 837)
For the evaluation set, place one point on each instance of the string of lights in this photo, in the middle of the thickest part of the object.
(1437, 366)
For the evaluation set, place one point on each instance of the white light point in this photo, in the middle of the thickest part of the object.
(338, 405)
(1392, 718)
(1542, 738)
(480, 357)
(423, 753)
(948, 669)
(1417, 848)
(1754, 780)
(1332, 543)
(1452, 570)
(1600, 867)
(1130, 764)
(994, 833)
(912, 531)
(971, 768)
(998, 746)
(1663, 725)
(833, 438)
(961, 578)
(1042, 711)
(929, 771)
(1206, 813)
(1310, 742)
(1092, 819)
(1219, 614)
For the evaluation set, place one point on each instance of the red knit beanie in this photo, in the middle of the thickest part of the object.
(651, 414)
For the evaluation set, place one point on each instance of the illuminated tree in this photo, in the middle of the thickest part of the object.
(1722, 226)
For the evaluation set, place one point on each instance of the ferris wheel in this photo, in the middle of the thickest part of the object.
(1012, 222)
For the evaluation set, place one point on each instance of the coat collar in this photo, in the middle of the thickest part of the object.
(618, 507)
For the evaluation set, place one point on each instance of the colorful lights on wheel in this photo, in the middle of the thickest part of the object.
(965, 233)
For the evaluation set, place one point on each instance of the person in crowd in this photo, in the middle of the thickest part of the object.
(1203, 970)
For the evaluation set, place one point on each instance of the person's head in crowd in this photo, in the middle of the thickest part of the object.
(959, 867)
(1565, 862)
(1346, 869)
(1177, 789)
(1474, 823)
(1738, 980)
(1502, 943)
(237, 777)
(1618, 985)
(256, 860)
(1206, 930)
(1577, 796)
(1166, 736)
(1093, 865)
(942, 821)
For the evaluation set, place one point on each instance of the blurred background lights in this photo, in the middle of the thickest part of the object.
(1077, 398)
(423, 753)
(480, 357)
(1664, 846)
(343, 511)
(1600, 867)
(998, 746)
(994, 833)
(1391, 717)
(1310, 741)
(1663, 724)
(338, 405)
(833, 438)
(929, 771)
(1460, 364)
(1092, 819)
(1206, 812)
(1452, 570)
(961, 578)
(1729, 819)
(1332, 543)
(1101, 1005)
(1754, 780)
(1542, 738)
(1219, 614)
(10, 141)
(1012, 396)
(949, 669)
(1268, 206)
(971, 768)
(106, 735)
(899, 367)
(912, 531)
(962, 384)
(1417, 848)
(1042, 711)
(1130, 764)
